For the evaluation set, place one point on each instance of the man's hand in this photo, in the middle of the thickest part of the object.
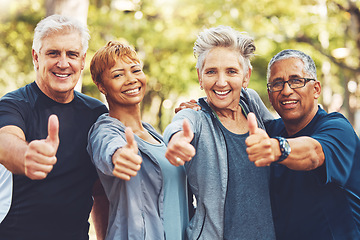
(259, 144)
(179, 148)
(126, 160)
(191, 104)
(40, 155)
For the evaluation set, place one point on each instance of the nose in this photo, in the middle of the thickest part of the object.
(131, 79)
(221, 81)
(63, 61)
(287, 89)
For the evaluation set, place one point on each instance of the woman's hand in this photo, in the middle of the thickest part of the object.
(126, 160)
(179, 148)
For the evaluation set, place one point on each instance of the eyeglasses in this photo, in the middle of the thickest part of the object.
(293, 83)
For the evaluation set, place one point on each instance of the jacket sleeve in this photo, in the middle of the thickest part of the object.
(103, 140)
(177, 123)
(259, 105)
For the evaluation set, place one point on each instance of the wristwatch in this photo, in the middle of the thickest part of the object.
(284, 148)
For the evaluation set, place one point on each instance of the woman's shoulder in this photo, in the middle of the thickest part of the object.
(152, 130)
(105, 123)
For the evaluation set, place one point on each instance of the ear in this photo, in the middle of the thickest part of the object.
(35, 57)
(317, 89)
(246, 79)
(101, 88)
(199, 77)
(83, 62)
(269, 96)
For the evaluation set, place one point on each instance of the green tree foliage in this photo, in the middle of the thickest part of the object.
(164, 31)
(16, 33)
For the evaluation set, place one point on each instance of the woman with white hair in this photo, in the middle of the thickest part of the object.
(232, 194)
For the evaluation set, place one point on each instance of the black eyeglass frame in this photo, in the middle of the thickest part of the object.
(283, 83)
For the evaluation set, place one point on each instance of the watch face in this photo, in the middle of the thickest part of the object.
(284, 148)
(287, 146)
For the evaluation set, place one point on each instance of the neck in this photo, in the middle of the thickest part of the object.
(294, 126)
(130, 116)
(233, 119)
(60, 97)
(230, 112)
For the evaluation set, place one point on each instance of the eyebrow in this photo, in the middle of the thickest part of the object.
(290, 77)
(295, 76)
(121, 69)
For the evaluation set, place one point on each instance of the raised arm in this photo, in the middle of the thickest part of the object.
(126, 160)
(34, 159)
(306, 152)
(179, 148)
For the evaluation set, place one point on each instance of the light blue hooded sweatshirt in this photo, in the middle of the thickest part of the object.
(208, 171)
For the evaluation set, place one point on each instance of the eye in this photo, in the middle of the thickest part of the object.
(209, 72)
(73, 54)
(52, 54)
(232, 71)
(277, 84)
(137, 71)
(296, 81)
(118, 75)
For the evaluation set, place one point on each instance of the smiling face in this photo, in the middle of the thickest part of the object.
(123, 84)
(222, 77)
(59, 64)
(297, 107)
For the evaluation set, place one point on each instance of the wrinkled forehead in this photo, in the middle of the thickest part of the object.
(61, 39)
(287, 68)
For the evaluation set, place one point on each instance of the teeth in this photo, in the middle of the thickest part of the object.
(288, 102)
(132, 91)
(62, 75)
(221, 92)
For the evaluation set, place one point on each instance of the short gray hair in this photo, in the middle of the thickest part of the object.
(309, 64)
(224, 36)
(57, 23)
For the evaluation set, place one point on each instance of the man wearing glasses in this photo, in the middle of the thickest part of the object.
(314, 156)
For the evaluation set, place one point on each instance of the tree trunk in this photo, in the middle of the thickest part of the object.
(77, 9)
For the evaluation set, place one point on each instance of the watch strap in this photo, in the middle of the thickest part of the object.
(284, 149)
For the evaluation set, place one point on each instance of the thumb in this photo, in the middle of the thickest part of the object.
(252, 123)
(53, 130)
(187, 130)
(130, 139)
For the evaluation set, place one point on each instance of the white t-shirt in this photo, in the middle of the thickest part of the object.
(6, 185)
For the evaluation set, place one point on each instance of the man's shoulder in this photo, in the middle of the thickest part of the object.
(25, 93)
(333, 119)
(275, 127)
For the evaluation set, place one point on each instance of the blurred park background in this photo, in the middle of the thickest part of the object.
(164, 31)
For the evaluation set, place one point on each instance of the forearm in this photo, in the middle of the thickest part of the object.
(306, 153)
(12, 149)
(100, 211)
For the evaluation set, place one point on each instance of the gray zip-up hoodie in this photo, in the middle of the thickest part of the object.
(208, 172)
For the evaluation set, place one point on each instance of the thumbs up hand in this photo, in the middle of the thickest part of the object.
(126, 160)
(40, 155)
(179, 148)
(259, 148)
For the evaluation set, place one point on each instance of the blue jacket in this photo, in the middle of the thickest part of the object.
(208, 172)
